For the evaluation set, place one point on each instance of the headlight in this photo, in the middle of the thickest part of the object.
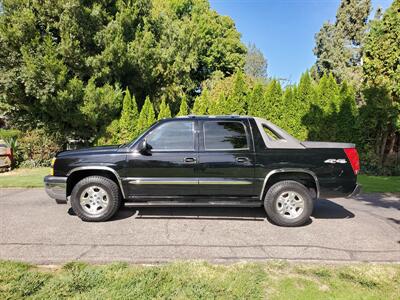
(53, 161)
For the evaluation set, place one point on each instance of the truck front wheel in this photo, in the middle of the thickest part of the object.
(288, 203)
(95, 199)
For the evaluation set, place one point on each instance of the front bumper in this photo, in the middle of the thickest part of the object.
(56, 187)
(355, 192)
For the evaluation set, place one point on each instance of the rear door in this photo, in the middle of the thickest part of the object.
(226, 158)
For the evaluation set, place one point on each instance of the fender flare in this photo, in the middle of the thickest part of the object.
(103, 168)
(290, 170)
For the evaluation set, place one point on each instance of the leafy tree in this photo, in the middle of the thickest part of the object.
(339, 46)
(183, 109)
(164, 48)
(256, 64)
(129, 118)
(54, 54)
(165, 111)
(146, 116)
(381, 114)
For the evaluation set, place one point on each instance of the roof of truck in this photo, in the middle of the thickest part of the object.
(213, 117)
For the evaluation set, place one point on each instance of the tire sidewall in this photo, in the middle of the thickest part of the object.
(272, 197)
(102, 182)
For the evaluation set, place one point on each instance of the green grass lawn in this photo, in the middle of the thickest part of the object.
(379, 184)
(199, 280)
(22, 177)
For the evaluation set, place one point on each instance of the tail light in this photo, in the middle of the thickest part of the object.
(352, 156)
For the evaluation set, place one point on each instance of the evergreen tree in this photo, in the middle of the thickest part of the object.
(332, 111)
(110, 135)
(201, 104)
(328, 93)
(293, 113)
(327, 102)
(273, 107)
(305, 95)
(380, 116)
(346, 118)
(236, 102)
(129, 118)
(255, 101)
(219, 106)
(146, 116)
(230, 101)
(101, 105)
(165, 111)
(183, 108)
(256, 64)
(339, 46)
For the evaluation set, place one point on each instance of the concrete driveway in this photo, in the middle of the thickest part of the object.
(35, 229)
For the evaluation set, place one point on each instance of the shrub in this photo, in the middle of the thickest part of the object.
(36, 149)
(110, 135)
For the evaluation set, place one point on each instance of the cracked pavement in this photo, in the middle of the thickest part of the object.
(33, 228)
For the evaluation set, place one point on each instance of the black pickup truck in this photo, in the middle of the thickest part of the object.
(206, 161)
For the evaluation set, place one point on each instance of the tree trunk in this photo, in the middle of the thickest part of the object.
(391, 142)
(382, 156)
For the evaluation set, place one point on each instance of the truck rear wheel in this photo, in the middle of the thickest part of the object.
(288, 203)
(95, 199)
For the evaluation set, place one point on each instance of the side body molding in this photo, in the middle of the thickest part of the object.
(290, 170)
(103, 168)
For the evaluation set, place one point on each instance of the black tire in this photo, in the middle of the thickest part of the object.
(271, 203)
(113, 193)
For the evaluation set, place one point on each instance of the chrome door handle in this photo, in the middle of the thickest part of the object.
(190, 160)
(242, 159)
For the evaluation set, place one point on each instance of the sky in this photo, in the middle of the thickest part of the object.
(283, 29)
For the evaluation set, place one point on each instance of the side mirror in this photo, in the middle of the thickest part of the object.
(143, 147)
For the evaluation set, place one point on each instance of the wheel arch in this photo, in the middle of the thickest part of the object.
(303, 176)
(77, 174)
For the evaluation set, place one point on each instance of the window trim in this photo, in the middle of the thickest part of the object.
(175, 150)
(226, 121)
(279, 138)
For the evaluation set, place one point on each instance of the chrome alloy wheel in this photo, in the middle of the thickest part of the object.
(94, 200)
(290, 205)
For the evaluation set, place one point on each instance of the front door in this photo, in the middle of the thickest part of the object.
(226, 158)
(168, 169)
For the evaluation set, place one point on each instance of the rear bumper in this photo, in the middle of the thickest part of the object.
(56, 187)
(355, 192)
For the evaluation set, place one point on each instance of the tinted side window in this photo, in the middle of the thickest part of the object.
(224, 135)
(172, 136)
